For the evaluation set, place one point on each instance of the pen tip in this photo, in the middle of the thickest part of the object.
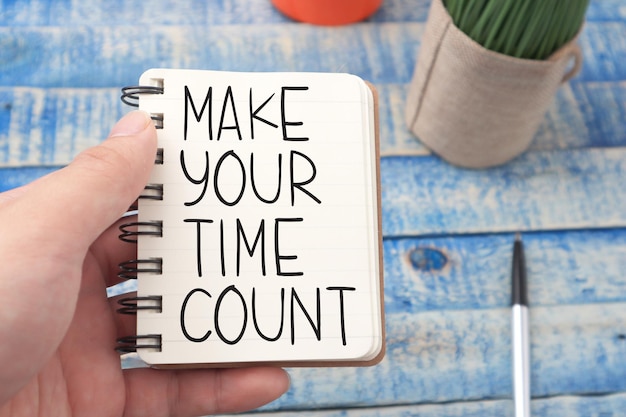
(519, 292)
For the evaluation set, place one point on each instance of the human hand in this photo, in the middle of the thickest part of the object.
(59, 252)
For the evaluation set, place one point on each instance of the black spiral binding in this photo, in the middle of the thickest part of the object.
(130, 344)
(131, 268)
(130, 96)
(130, 305)
(130, 231)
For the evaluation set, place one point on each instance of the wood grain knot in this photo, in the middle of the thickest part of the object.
(427, 259)
(10, 49)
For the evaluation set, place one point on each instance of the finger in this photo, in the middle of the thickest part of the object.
(10, 195)
(47, 228)
(126, 324)
(111, 252)
(85, 197)
(188, 393)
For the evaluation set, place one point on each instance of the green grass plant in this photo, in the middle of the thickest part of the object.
(531, 29)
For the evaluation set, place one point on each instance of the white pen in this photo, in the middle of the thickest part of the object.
(520, 337)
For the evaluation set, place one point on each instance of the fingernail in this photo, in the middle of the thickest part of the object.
(134, 122)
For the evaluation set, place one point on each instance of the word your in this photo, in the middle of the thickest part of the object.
(302, 172)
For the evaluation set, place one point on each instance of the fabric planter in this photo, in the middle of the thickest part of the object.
(475, 107)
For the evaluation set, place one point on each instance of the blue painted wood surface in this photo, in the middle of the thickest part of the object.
(448, 231)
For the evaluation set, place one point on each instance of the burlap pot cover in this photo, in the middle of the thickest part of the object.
(478, 108)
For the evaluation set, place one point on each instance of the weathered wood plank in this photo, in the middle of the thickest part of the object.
(603, 111)
(464, 355)
(50, 126)
(612, 405)
(379, 52)
(606, 10)
(538, 191)
(215, 12)
(582, 114)
(104, 57)
(578, 329)
(577, 189)
(604, 51)
(121, 13)
(564, 268)
(473, 272)
(15, 177)
(455, 357)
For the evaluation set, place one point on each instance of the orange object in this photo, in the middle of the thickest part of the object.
(328, 12)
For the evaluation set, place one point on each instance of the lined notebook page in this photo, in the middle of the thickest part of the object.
(270, 243)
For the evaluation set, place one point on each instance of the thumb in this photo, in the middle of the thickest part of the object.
(107, 179)
(84, 198)
(46, 229)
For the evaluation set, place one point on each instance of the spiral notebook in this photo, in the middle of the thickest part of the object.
(259, 233)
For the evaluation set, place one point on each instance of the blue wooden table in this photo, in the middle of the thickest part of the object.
(447, 231)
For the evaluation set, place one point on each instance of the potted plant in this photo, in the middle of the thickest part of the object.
(486, 73)
(328, 12)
